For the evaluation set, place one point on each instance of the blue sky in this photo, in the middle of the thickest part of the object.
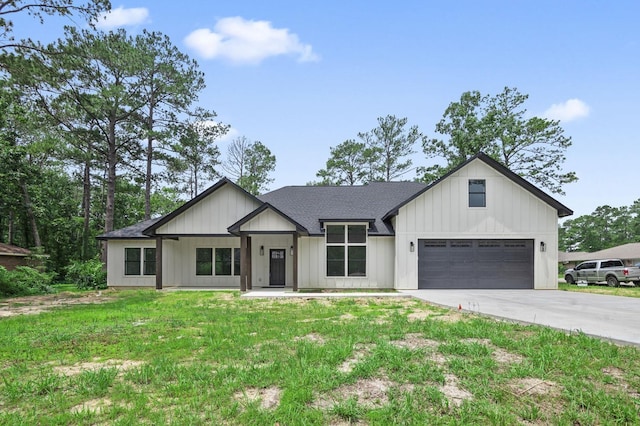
(304, 76)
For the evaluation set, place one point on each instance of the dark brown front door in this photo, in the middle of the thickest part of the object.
(277, 267)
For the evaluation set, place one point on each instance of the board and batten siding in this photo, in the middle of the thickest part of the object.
(266, 221)
(181, 271)
(312, 271)
(115, 264)
(211, 215)
(511, 212)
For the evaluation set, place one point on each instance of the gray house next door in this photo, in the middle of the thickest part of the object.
(277, 267)
(480, 264)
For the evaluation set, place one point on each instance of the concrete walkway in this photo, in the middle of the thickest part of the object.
(614, 318)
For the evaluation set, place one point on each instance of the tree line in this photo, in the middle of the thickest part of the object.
(606, 227)
(498, 125)
(100, 130)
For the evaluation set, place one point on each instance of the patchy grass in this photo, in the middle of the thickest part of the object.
(624, 289)
(147, 357)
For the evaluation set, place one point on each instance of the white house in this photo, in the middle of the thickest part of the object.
(480, 226)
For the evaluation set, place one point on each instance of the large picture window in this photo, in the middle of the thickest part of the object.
(346, 250)
(477, 193)
(221, 261)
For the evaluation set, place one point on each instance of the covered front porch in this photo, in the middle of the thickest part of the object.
(269, 261)
(245, 262)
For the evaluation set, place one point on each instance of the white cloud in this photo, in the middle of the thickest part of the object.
(247, 42)
(567, 111)
(122, 17)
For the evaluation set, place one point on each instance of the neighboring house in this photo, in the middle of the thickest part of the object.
(479, 226)
(12, 256)
(629, 253)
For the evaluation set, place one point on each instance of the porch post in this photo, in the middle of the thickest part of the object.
(158, 263)
(295, 261)
(249, 263)
(243, 263)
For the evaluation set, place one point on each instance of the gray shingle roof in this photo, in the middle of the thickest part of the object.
(308, 205)
(130, 232)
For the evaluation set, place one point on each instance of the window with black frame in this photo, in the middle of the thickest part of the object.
(477, 193)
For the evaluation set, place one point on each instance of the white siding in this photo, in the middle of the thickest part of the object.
(213, 214)
(268, 220)
(312, 261)
(260, 263)
(179, 262)
(115, 264)
(443, 212)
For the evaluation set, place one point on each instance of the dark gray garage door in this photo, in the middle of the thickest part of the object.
(475, 264)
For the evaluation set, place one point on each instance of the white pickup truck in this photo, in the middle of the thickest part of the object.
(611, 271)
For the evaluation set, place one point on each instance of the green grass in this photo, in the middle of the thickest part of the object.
(622, 290)
(147, 357)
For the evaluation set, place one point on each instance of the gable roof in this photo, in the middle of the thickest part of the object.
(311, 205)
(500, 168)
(235, 228)
(150, 230)
(11, 250)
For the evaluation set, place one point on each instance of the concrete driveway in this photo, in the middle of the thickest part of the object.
(611, 317)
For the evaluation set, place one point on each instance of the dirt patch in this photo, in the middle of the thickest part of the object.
(505, 357)
(415, 341)
(94, 406)
(454, 394)
(533, 386)
(369, 393)
(360, 352)
(32, 305)
(452, 316)
(438, 358)
(419, 316)
(313, 337)
(347, 317)
(620, 382)
(269, 397)
(72, 370)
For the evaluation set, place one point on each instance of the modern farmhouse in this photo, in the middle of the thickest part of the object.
(479, 226)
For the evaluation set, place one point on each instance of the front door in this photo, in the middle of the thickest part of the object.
(277, 267)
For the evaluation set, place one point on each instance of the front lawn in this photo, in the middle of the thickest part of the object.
(622, 290)
(147, 357)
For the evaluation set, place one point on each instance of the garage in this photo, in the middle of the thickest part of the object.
(475, 264)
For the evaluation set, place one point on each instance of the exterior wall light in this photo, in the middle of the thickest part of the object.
(291, 251)
(543, 246)
(261, 250)
(412, 247)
